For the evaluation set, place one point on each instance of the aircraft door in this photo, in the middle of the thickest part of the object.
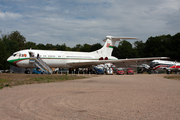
(31, 61)
(31, 54)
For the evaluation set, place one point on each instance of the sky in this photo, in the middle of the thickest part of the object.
(88, 21)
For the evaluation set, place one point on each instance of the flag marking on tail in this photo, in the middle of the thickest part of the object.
(109, 45)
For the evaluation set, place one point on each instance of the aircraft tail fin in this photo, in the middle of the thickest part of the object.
(110, 41)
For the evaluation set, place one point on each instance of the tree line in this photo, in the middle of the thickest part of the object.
(159, 46)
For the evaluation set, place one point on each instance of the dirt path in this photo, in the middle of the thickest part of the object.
(103, 97)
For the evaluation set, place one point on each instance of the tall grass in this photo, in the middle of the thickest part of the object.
(174, 77)
(5, 82)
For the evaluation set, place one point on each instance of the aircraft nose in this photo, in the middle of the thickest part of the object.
(9, 60)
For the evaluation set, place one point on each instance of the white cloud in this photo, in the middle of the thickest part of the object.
(79, 22)
(9, 16)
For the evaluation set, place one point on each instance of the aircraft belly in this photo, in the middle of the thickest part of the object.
(24, 64)
(173, 69)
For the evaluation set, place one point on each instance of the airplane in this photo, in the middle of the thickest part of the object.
(163, 65)
(141, 68)
(146, 66)
(71, 59)
(173, 68)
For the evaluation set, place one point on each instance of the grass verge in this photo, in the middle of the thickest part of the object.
(174, 77)
(9, 80)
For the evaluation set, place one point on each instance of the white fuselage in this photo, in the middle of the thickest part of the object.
(164, 65)
(53, 58)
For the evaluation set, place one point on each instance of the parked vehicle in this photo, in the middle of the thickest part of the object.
(140, 70)
(10, 71)
(61, 71)
(130, 71)
(37, 71)
(99, 70)
(6, 71)
(120, 71)
(109, 71)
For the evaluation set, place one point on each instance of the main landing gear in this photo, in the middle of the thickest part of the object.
(27, 71)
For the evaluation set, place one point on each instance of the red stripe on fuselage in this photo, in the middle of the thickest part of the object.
(175, 66)
(159, 66)
(15, 62)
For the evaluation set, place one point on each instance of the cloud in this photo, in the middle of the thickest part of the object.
(79, 22)
(9, 16)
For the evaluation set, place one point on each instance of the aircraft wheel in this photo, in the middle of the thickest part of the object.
(168, 71)
(28, 72)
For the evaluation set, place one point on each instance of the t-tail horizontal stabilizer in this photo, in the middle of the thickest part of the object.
(110, 41)
(114, 39)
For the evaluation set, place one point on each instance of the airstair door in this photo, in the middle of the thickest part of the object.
(31, 54)
(31, 57)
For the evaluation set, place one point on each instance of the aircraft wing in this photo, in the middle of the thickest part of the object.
(97, 62)
(137, 66)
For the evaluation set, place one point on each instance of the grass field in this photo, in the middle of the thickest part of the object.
(9, 80)
(174, 77)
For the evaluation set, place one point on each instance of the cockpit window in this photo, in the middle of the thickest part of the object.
(16, 55)
(19, 55)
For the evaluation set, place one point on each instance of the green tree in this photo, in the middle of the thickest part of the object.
(10, 44)
(175, 46)
(95, 47)
(41, 46)
(126, 50)
(78, 47)
(152, 47)
(61, 47)
(139, 47)
(2, 54)
(29, 45)
(7, 48)
(86, 48)
(116, 52)
(17, 37)
(158, 46)
(50, 47)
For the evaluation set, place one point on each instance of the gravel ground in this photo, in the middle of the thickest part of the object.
(105, 97)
